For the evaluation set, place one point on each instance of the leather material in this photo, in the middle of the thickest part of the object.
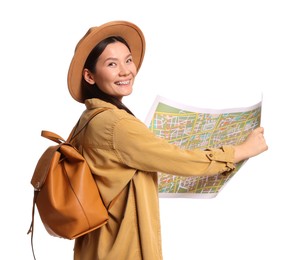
(66, 194)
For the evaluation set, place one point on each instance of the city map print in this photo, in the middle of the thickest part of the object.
(192, 128)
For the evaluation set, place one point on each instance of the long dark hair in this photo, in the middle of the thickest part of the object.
(94, 92)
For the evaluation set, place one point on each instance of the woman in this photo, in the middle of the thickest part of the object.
(123, 154)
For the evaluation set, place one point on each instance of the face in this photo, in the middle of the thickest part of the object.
(115, 71)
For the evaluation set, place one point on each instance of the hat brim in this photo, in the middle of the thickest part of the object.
(130, 32)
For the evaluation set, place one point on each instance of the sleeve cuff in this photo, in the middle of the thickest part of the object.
(225, 154)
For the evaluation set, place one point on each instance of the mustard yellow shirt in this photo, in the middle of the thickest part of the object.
(125, 156)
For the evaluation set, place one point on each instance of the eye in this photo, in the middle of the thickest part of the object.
(111, 64)
(129, 60)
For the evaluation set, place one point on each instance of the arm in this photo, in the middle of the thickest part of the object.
(137, 147)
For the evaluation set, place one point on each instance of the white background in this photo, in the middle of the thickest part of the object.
(202, 53)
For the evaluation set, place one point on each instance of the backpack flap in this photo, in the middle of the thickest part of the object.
(45, 161)
(43, 167)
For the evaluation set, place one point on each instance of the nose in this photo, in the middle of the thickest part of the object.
(124, 70)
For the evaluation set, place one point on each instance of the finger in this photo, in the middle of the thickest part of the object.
(259, 130)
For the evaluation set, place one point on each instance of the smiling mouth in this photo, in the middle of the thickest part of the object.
(122, 83)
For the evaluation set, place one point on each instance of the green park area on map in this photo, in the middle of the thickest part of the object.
(191, 128)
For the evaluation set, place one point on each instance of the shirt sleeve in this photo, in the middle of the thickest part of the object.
(137, 147)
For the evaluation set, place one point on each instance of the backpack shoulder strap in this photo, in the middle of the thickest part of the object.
(78, 128)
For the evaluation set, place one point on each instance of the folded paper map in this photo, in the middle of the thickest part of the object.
(190, 128)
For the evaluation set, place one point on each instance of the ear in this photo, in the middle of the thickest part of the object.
(88, 76)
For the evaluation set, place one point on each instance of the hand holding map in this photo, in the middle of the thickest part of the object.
(253, 145)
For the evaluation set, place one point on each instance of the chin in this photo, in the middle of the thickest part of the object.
(127, 94)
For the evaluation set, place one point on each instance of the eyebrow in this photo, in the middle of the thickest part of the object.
(115, 59)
